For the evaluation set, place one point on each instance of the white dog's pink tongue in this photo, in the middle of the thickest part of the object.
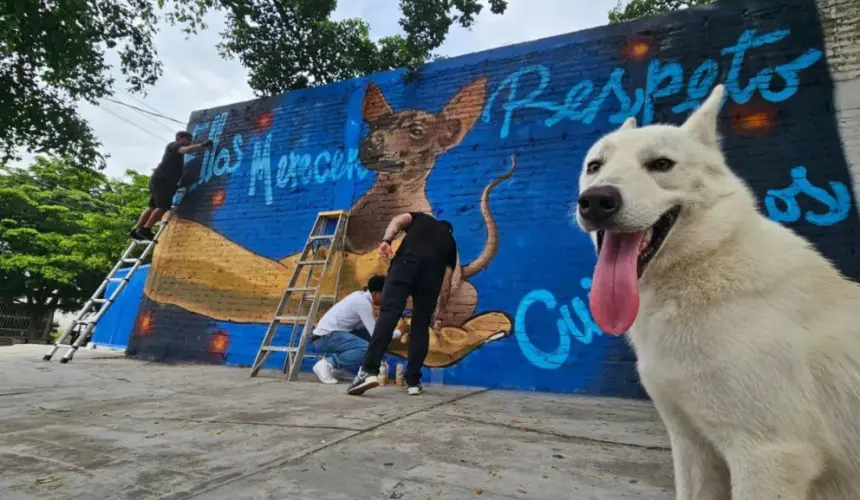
(614, 294)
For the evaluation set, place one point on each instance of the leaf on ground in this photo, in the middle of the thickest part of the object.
(47, 479)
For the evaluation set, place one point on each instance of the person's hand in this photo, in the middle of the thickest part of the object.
(208, 143)
(385, 250)
(437, 326)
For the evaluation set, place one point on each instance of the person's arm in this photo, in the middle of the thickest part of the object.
(366, 316)
(193, 148)
(397, 224)
(447, 283)
(444, 295)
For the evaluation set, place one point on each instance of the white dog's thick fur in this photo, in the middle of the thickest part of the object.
(748, 340)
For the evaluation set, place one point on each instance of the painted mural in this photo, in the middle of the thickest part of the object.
(492, 142)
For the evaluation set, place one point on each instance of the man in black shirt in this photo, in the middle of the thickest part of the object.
(164, 182)
(422, 268)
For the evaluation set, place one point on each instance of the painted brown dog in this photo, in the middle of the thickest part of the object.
(402, 148)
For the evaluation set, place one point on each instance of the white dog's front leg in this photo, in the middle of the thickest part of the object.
(782, 471)
(700, 472)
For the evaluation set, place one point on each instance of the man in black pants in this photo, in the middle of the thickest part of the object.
(164, 183)
(422, 268)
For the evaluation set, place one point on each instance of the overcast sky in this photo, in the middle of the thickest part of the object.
(196, 77)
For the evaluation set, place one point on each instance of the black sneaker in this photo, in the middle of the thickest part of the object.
(133, 235)
(414, 390)
(145, 234)
(362, 382)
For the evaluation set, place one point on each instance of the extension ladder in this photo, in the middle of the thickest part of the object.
(96, 307)
(319, 241)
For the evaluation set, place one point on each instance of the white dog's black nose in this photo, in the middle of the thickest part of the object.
(599, 203)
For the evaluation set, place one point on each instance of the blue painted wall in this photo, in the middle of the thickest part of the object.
(114, 328)
(278, 161)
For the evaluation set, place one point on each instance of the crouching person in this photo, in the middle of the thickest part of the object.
(341, 335)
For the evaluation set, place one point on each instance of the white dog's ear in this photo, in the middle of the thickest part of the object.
(702, 124)
(628, 123)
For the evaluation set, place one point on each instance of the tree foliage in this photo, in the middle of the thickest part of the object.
(54, 54)
(62, 228)
(294, 44)
(634, 9)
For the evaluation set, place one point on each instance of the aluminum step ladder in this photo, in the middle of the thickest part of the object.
(96, 307)
(324, 244)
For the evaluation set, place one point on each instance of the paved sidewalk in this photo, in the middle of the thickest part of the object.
(104, 427)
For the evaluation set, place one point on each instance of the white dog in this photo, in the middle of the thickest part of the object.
(748, 340)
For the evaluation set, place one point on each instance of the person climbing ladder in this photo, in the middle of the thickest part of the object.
(164, 183)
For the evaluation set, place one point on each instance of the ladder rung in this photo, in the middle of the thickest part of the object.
(276, 348)
(117, 279)
(331, 214)
(84, 321)
(290, 317)
(101, 301)
(303, 289)
(129, 261)
(323, 298)
(312, 262)
(321, 237)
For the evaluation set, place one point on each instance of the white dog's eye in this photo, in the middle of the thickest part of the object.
(593, 166)
(659, 164)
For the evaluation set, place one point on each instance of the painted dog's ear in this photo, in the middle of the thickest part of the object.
(628, 124)
(374, 106)
(461, 113)
(702, 124)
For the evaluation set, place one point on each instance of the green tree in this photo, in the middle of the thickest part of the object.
(294, 44)
(62, 228)
(644, 8)
(55, 54)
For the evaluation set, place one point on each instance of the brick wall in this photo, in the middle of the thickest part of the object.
(520, 318)
(840, 21)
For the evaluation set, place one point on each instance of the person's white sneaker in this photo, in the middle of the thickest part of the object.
(414, 390)
(323, 370)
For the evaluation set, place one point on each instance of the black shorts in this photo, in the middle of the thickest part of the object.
(161, 192)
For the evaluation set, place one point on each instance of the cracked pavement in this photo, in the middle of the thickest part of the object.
(107, 427)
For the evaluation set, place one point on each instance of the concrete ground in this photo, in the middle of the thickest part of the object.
(104, 427)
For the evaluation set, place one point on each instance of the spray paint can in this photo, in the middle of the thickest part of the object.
(399, 374)
(383, 373)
